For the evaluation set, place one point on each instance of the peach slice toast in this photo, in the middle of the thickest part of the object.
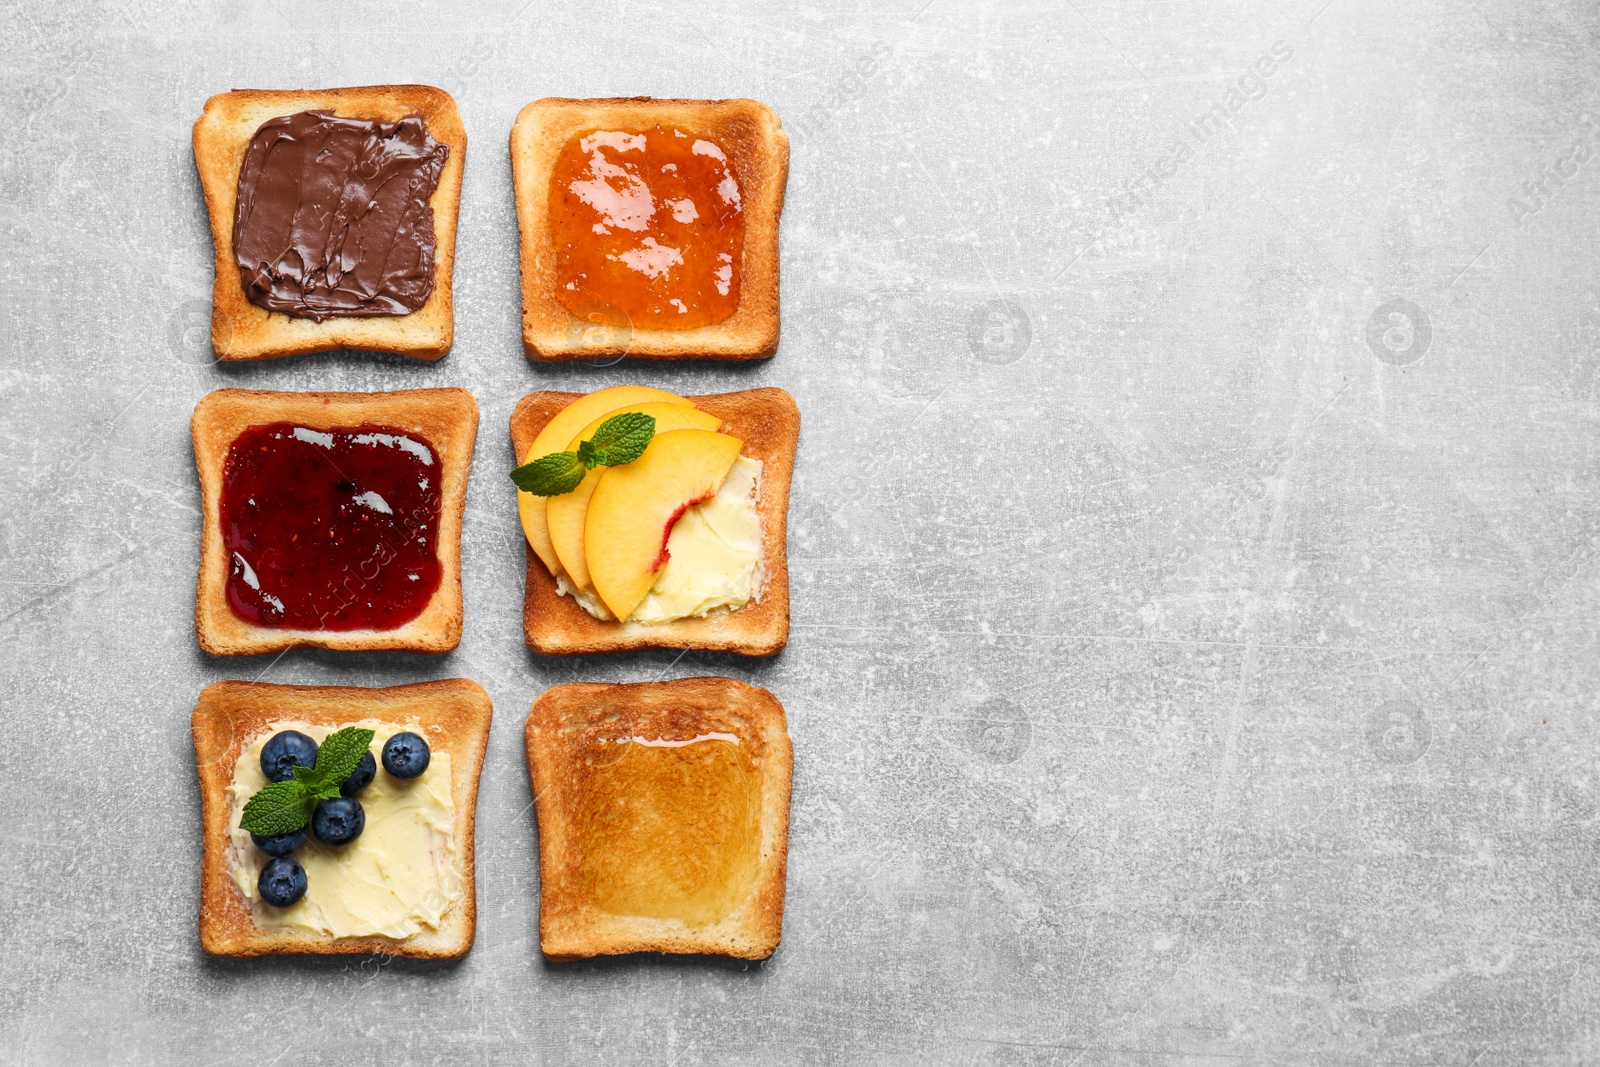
(557, 435)
(637, 506)
(659, 523)
(566, 515)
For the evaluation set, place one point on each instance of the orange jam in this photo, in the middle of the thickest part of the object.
(648, 229)
(668, 829)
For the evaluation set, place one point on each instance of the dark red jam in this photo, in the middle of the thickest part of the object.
(331, 529)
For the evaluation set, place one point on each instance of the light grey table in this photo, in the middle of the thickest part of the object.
(1194, 652)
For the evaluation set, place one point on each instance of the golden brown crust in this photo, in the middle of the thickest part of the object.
(242, 331)
(569, 927)
(768, 422)
(448, 418)
(454, 715)
(752, 136)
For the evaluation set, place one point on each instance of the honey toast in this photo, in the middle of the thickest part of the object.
(663, 812)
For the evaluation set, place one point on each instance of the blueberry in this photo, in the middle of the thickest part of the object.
(405, 755)
(280, 844)
(282, 882)
(361, 777)
(338, 821)
(284, 752)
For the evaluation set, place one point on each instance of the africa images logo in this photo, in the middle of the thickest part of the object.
(999, 731)
(1536, 192)
(1246, 89)
(1399, 332)
(1398, 732)
(998, 332)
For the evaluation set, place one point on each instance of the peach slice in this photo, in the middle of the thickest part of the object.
(565, 514)
(635, 506)
(554, 437)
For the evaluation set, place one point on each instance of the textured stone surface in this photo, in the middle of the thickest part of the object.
(1186, 668)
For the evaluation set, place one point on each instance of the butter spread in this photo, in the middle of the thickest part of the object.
(397, 879)
(334, 216)
(586, 598)
(714, 557)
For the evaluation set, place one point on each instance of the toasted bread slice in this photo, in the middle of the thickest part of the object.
(242, 331)
(589, 856)
(754, 140)
(230, 716)
(768, 422)
(448, 418)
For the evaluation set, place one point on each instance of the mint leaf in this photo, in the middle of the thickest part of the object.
(319, 787)
(278, 808)
(283, 807)
(552, 475)
(621, 439)
(339, 754)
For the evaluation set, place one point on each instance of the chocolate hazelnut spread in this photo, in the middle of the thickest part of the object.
(334, 216)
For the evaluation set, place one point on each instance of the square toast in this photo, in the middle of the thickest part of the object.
(768, 422)
(454, 716)
(448, 418)
(575, 807)
(754, 140)
(242, 331)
